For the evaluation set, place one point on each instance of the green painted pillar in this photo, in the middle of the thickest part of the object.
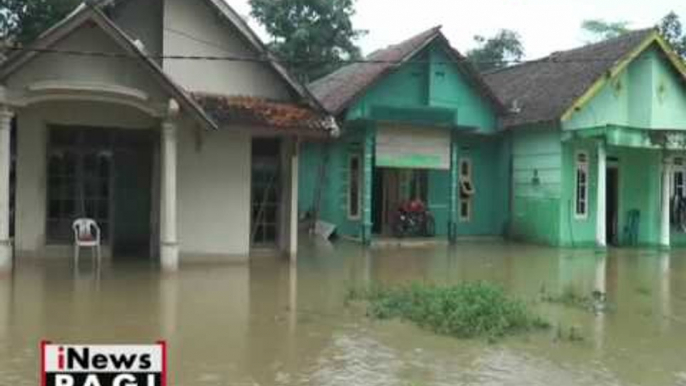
(453, 190)
(368, 183)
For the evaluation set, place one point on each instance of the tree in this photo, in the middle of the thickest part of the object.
(496, 52)
(672, 30)
(21, 21)
(602, 30)
(313, 37)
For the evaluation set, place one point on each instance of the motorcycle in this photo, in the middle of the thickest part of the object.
(413, 219)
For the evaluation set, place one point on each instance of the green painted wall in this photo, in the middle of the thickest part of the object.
(536, 203)
(574, 231)
(429, 81)
(489, 156)
(640, 188)
(424, 92)
(648, 94)
(334, 184)
(451, 88)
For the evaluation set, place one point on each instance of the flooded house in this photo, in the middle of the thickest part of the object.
(418, 124)
(123, 113)
(598, 144)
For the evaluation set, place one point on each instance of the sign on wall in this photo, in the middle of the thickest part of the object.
(413, 148)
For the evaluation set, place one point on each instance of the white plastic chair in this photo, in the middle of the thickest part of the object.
(86, 235)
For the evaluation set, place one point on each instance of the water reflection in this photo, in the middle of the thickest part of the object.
(273, 323)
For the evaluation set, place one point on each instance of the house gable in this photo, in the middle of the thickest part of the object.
(142, 20)
(196, 28)
(428, 88)
(124, 72)
(98, 71)
(648, 93)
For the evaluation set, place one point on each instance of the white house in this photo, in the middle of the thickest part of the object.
(106, 116)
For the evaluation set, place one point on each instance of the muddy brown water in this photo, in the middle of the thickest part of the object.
(268, 323)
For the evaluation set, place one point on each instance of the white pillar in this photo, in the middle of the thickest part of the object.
(665, 227)
(601, 196)
(293, 205)
(5, 160)
(169, 250)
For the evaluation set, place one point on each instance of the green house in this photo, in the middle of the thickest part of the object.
(598, 144)
(418, 122)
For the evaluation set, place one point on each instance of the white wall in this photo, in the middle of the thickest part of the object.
(142, 20)
(214, 193)
(212, 36)
(213, 176)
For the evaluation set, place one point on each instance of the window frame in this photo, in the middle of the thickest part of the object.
(360, 172)
(581, 166)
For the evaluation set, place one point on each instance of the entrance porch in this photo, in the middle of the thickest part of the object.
(625, 188)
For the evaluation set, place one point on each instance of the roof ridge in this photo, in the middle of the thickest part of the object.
(428, 33)
(605, 42)
(555, 54)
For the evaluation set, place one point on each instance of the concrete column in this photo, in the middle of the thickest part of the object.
(6, 116)
(168, 236)
(367, 184)
(601, 196)
(665, 227)
(453, 191)
(293, 204)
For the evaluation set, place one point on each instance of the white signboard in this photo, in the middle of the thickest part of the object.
(413, 148)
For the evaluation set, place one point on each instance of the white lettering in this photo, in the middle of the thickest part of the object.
(92, 380)
(64, 380)
(124, 380)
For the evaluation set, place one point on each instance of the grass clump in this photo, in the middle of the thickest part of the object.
(463, 311)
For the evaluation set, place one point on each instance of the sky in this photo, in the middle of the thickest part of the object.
(544, 25)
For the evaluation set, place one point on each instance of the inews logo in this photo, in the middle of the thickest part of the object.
(103, 365)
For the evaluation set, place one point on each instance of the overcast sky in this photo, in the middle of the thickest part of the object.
(545, 25)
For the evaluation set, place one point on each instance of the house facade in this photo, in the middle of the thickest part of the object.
(417, 123)
(106, 117)
(597, 144)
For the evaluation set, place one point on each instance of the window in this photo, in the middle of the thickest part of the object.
(467, 190)
(354, 187)
(581, 200)
(79, 181)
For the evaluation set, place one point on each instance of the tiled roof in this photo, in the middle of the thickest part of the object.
(544, 89)
(280, 116)
(337, 90)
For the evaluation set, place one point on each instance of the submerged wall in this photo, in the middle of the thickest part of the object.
(536, 185)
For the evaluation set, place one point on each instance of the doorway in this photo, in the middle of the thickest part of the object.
(104, 174)
(612, 206)
(266, 193)
(393, 187)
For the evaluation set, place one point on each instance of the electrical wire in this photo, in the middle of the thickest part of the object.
(262, 59)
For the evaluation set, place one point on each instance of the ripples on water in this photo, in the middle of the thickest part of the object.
(268, 323)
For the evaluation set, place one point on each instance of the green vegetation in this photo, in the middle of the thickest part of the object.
(314, 37)
(596, 302)
(498, 51)
(463, 311)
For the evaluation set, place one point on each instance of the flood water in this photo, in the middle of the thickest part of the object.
(268, 323)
